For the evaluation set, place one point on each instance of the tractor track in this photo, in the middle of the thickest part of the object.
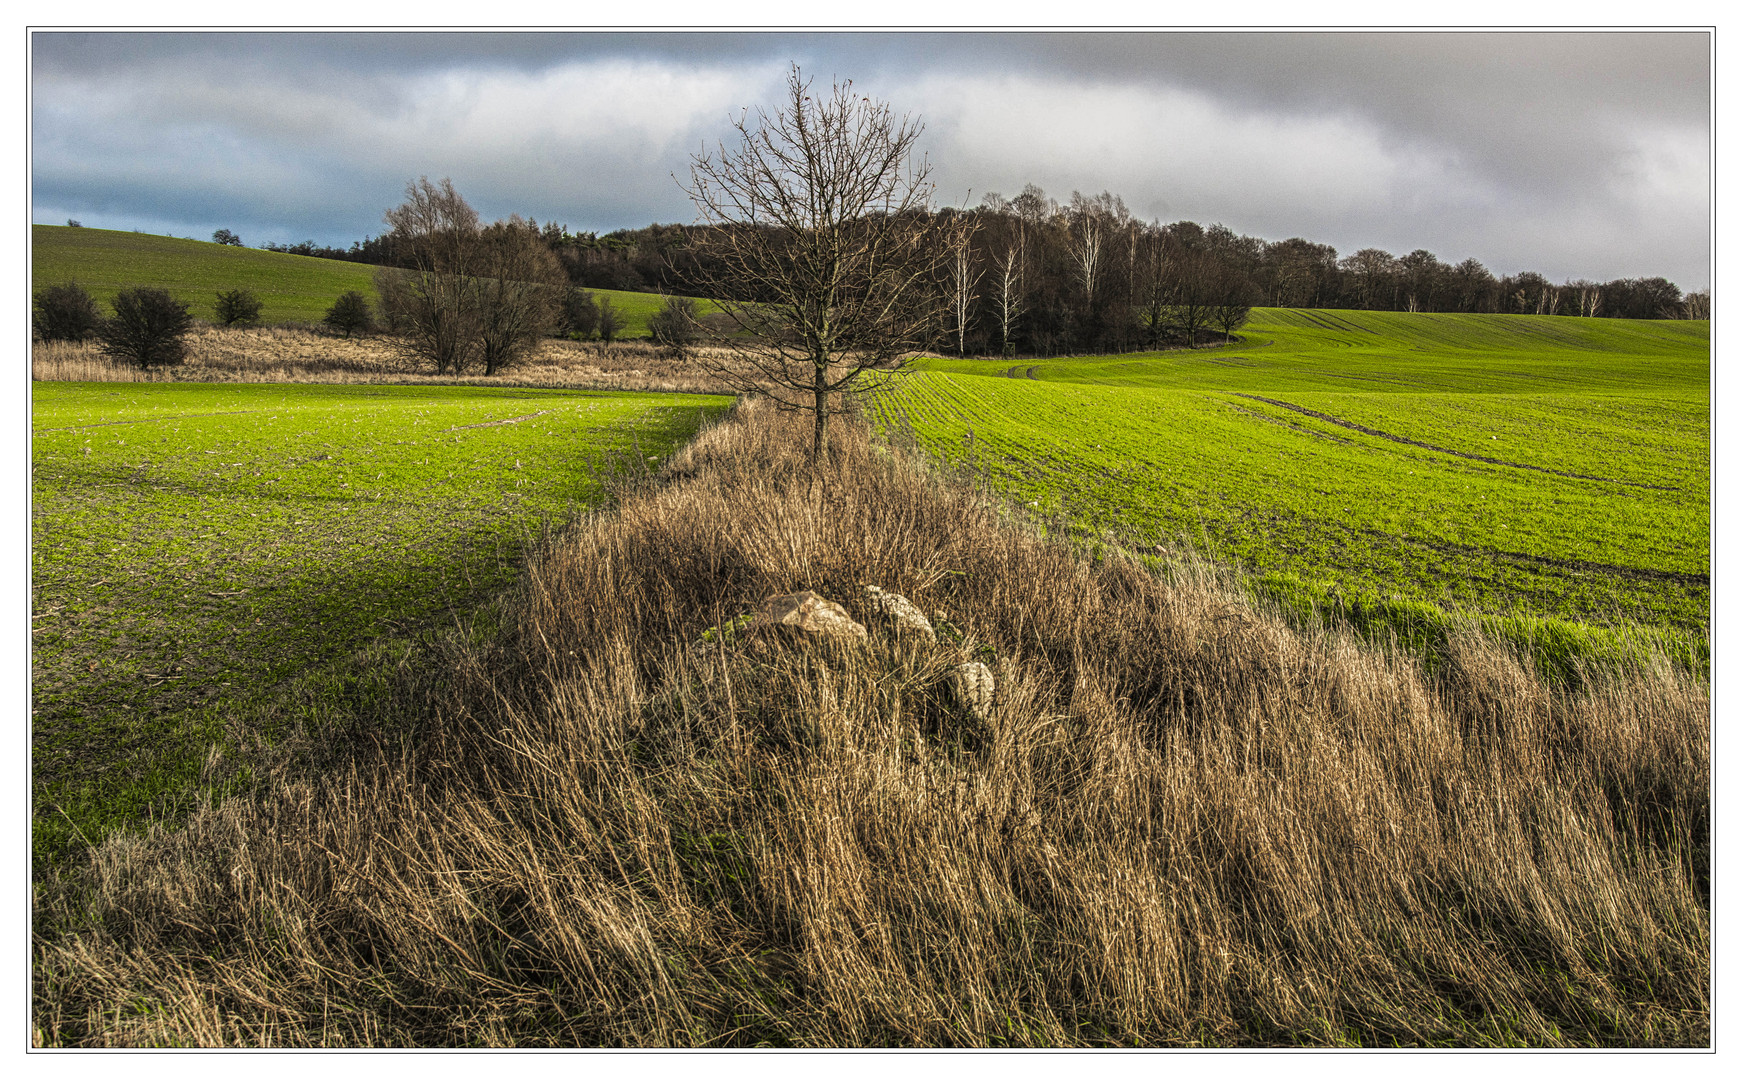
(1315, 414)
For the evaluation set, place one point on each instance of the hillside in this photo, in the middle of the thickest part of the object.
(1537, 466)
(292, 288)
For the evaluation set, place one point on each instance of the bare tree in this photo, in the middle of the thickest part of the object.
(1191, 292)
(964, 276)
(1153, 288)
(1092, 222)
(1232, 299)
(823, 251)
(675, 325)
(610, 320)
(1008, 281)
(1590, 297)
(517, 292)
(429, 303)
(1375, 273)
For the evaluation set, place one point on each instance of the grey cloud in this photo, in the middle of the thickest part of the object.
(1575, 154)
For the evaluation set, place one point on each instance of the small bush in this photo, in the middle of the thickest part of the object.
(149, 328)
(350, 314)
(675, 325)
(238, 306)
(64, 313)
(610, 322)
(580, 314)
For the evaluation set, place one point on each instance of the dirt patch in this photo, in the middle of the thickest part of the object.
(499, 423)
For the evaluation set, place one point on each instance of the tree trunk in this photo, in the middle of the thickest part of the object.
(820, 441)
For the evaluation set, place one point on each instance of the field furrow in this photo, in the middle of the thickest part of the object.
(1546, 466)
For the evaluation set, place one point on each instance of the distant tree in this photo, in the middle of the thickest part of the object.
(675, 325)
(1192, 292)
(1697, 305)
(1373, 273)
(1657, 298)
(1092, 220)
(225, 236)
(1528, 293)
(1152, 289)
(962, 275)
(1420, 275)
(148, 329)
(580, 313)
(1298, 273)
(1232, 294)
(71, 224)
(64, 313)
(1007, 291)
(238, 306)
(516, 290)
(350, 314)
(1474, 287)
(1588, 295)
(430, 304)
(610, 322)
(824, 255)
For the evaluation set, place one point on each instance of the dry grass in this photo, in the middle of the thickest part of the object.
(1186, 823)
(304, 354)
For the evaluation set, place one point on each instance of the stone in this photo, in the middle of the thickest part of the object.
(811, 615)
(971, 684)
(900, 611)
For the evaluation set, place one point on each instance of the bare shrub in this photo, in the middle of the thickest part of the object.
(237, 307)
(350, 314)
(580, 313)
(64, 312)
(148, 329)
(1183, 823)
(675, 326)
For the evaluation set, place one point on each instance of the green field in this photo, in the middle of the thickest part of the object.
(208, 561)
(1524, 466)
(292, 288)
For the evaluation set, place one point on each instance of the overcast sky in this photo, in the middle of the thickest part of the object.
(1573, 154)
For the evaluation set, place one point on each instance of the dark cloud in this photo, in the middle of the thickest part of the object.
(1577, 154)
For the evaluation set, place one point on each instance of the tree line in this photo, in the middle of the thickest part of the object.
(1031, 275)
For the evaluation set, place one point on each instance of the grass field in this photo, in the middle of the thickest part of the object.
(292, 288)
(1533, 467)
(1184, 821)
(207, 559)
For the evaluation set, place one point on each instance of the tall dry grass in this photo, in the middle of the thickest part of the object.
(306, 354)
(1185, 822)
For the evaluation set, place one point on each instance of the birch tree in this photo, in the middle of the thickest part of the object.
(964, 276)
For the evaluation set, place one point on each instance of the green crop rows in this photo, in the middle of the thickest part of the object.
(1534, 467)
(292, 288)
(205, 556)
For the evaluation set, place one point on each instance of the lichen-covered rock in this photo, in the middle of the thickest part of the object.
(811, 615)
(900, 611)
(971, 685)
